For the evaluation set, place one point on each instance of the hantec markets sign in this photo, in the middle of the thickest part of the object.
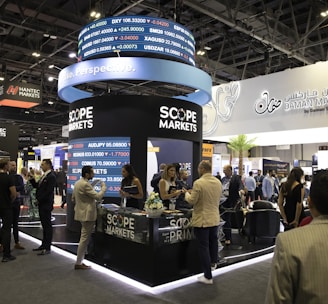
(20, 95)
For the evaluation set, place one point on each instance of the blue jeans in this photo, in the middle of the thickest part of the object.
(208, 247)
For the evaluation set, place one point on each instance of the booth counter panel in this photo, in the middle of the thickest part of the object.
(151, 250)
(134, 225)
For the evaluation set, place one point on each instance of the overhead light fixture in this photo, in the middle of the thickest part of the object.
(50, 102)
(2, 78)
(324, 13)
(47, 35)
(95, 14)
(52, 66)
(72, 55)
(200, 52)
(51, 78)
(207, 48)
(36, 54)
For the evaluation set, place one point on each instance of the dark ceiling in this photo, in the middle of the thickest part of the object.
(244, 39)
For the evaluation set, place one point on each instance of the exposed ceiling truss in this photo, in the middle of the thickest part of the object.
(244, 39)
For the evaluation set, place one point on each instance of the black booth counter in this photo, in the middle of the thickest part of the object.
(150, 250)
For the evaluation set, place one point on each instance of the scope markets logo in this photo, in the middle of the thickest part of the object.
(174, 118)
(80, 119)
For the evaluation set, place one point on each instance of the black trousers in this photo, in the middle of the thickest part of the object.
(16, 212)
(208, 247)
(6, 215)
(45, 218)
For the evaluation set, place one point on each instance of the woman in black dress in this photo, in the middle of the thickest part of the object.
(290, 200)
(129, 180)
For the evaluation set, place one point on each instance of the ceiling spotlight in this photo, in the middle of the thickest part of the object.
(2, 78)
(53, 37)
(201, 52)
(51, 78)
(50, 102)
(324, 13)
(95, 14)
(72, 55)
(52, 66)
(36, 54)
(207, 48)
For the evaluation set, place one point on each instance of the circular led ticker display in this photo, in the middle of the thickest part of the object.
(137, 36)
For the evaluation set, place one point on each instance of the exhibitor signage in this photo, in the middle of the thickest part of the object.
(20, 95)
(126, 226)
(174, 118)
(113, 115)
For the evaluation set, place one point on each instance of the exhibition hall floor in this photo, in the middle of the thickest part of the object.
(49, 279)
(240, 250)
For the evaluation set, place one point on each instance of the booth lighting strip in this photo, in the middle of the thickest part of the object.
(160, 288)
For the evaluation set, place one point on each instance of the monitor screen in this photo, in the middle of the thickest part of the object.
(106, 155)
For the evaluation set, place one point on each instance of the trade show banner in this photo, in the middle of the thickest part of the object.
(9, 140)
(289, 100)
(20, 95)
(281, 168)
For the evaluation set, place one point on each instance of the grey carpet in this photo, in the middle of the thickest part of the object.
(52, 279)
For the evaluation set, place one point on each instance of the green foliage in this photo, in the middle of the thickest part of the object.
(241, 144)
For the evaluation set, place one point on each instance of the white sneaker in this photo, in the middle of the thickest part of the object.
(203, 280)
(213, 266)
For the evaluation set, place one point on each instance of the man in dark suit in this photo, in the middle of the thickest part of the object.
(7, 196)
(45, 198)
(231, 184)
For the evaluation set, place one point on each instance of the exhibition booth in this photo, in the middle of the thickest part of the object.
(108, 130)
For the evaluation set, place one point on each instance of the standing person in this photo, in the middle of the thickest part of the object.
(290, 199)
(61, 183)
(299, 271)
(205, 198)
(33, 210)
(268, 186)
(232, 186)
(18, 201)
(7, 196)
(250, 184)
(168, 186)
(85, 199)
(130, 179)
(157, 177)
(45, 200)
(258, 190)
(182, 183)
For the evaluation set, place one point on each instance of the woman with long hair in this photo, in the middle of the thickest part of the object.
(167, 185)
(129, 180)
(290, 200)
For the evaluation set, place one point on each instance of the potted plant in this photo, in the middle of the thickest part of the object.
(153, 205)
